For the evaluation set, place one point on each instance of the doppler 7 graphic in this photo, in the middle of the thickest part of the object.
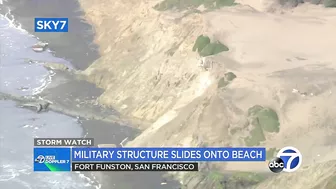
(52, 159)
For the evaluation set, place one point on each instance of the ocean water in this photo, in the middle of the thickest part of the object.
(17, 76)
(19, 126)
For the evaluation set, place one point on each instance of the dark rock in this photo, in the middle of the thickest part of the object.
(40, 47)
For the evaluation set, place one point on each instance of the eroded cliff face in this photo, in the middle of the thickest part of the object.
(149, 72)
(147, 63)
(283, 60)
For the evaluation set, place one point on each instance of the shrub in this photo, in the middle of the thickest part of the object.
(270, 153)
(234, 130)
(315, 2)
(201, 42)
(222, 83)
(191, 4)
(329, 3)
(265, 117)
(213, 48)
(216, 178)
(331, 184)
(247, 176)
(291, 3)
(254, 110)
(268, 120)
(166, 5)
(256, 136)
(222, 3)
(230, 76)
(205, 48)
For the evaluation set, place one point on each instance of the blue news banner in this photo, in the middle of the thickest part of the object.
(51, 25)
(138, 159)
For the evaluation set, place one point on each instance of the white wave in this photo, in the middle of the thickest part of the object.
(4, 178)
(12, 22)
(45, 82)
(10, 173)
(27, 126)
(91, 182)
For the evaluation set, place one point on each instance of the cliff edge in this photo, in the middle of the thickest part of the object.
(224, 73)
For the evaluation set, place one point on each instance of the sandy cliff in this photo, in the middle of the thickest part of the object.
(147, 62)
(317, 176)
(284, 60)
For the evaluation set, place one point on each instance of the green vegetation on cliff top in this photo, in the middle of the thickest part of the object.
(201, 42)
(331, 184)
(329, 3)
(262, 120)
(265, 117)
(216, 178)
(230, 76)
(256, 136)
(250, 177)
(192, 4)
(328, 183)
(205, 48)
(224, 81)
(270, 153)
(213, 48)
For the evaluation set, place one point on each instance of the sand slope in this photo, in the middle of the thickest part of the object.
(149, 72)
(315, 177)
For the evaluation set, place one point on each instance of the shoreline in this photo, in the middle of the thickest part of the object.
(91, 112)
(105, 127)
(22, 22)
(81, 35)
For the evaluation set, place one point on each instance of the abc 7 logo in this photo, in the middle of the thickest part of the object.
(40, 159)
(288, 159)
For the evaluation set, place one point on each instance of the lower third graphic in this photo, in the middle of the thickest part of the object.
(289, 159)
(52, 159)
